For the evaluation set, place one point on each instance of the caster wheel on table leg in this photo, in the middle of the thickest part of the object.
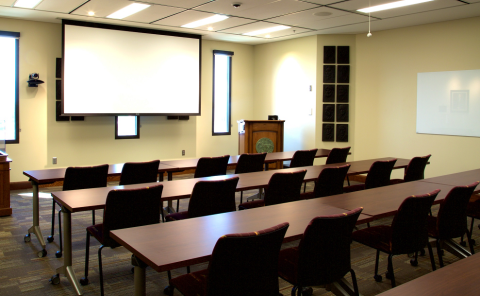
(377, 277)
(42, 253)
(84, 281)
(413, 262)
(27, 238)
(50, 238)
(307, 291)
(55, 280)
(58, 254)
(168, 290)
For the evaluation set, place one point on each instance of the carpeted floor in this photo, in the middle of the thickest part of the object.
(21, 271)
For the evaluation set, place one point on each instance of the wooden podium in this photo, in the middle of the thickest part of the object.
(263, 131)
(5, 209)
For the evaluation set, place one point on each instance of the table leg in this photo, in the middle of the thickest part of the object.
(35, 229)
(169, 209)
(139, 276)
(67, 268)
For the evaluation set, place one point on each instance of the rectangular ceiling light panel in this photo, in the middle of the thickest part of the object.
(27, 3)
(128, 10)
(209, 20)
(392, 5)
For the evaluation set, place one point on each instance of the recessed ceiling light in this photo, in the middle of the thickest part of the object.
(27, 3)
(267, 30)
(128, 10)
(91, 13)
(268, 36)
(322, 13)
(392, 5)
(209, 20)
(210, 28)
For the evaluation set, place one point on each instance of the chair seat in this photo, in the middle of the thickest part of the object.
(252, 204)
(353, 188)
(473, 207)
(432, 227)
(307, 195)
(191, 284)
(396, 181)
(177, 216)
(287, 265)
(377, 237)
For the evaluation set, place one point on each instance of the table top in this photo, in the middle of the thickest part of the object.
(384, 201)
(457, 179)
(52, 175)
(162, 248)
(459, 278)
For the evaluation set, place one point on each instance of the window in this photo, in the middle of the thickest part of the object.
(222, 87)
(127, 127)
(9, 87)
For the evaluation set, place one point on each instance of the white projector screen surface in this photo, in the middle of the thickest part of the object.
(116, 72)
(448, 103)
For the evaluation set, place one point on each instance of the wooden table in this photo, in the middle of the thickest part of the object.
(459, 278)
(94, 198)
(457, 179)
(38, 177)
(160, 247)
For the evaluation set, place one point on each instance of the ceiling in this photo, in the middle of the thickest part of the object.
(305, 17)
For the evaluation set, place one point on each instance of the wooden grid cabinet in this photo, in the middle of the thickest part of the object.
(258, 129)
(5, 209)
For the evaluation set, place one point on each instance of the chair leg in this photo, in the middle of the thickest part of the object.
(241, 197)
(390, 270)
(348, 181)
(52, 232)
(470, 242)
(58, 255)
(432, 258)
(439, 253)
(294, 290)
(354, 282)
(178, 205)
(299, 290)
(304, 186)
(100, 268)
(188, 269)
(93, 217)
(376, 276)
(84, 280)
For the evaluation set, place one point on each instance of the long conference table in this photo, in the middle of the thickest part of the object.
(95, 198)
(37, 177)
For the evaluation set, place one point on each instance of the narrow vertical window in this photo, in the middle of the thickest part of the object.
(127, 127)
(9, 113)
(222, 88)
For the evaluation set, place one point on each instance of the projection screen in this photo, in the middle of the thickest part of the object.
(114, 70)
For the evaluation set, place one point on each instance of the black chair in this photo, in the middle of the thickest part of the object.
(211, 166)
(124, 208)
(139, 172)
(415, 170)
(209, 198)
(329, 182)
(407, 233)
(78, 178)
(282, 188)
(323, 255)
(451, 220)
(473, 211)
(337, 155)
(378, 176)
(303, 158)
(248, 163)
(241, 264)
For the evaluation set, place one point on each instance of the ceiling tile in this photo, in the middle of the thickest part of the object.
(183, 18)
(256, 9)
(263, 25)
(102, 8)
(7, 2)
(427, 6)
(323, 2)
(180, 3)
(153, 13)
(64, 6)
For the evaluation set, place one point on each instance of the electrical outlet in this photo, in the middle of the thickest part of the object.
(54, 160)
(183, 152)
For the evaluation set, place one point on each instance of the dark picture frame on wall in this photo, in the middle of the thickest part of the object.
(343, 54)
(328, 74)
(342, 132)
(343, 74)
(342, 93)
(329, 54)
(329, 92)
(342, 113)
(328, 113)
(328, 134)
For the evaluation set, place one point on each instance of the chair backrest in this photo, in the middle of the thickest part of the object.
(139, 172)
(416, 168)
(452, 215)
(250, 162)
(85, 177)
(246, 263)
(211, 166)
(127, 208)
(303, 158)
(324, 250)
(284, 187)
(379, 174)
(212, 197)
(337, 155)
(409, 225)
(330, 181)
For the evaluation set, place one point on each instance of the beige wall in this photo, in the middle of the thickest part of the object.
(386, 85)
(284, 72)
(93, 140)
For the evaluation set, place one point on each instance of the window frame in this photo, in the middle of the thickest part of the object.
(137, 136)
(16, 36)
(229, 115)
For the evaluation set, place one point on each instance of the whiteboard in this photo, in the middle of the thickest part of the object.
(448, 103)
